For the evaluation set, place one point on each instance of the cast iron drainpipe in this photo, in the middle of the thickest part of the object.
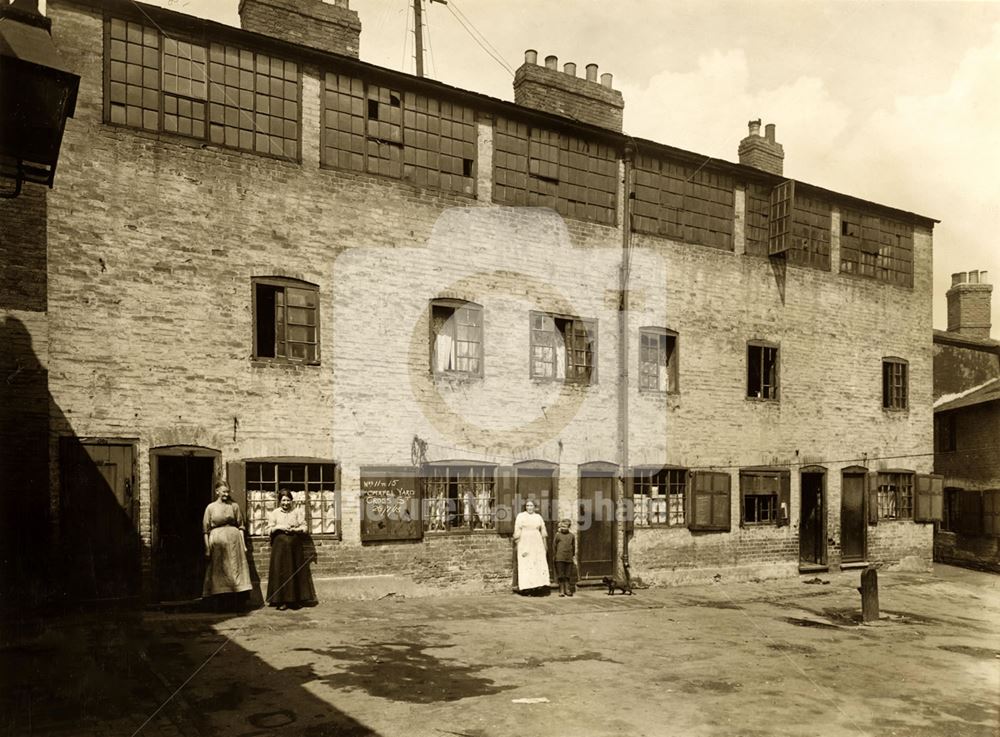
(621, 509)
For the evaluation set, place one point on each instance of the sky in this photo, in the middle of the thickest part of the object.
(895, 101)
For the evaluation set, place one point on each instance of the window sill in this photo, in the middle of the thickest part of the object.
(763, 400)
(200, 143)
(325, 537)
(896, 410)
(564, 382)
(458, 533)
(279, 364)
(456, 377)
(660, 526)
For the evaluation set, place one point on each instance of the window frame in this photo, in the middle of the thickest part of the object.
(945, 432)
(588, 326)
(285, 283)
(456, 305)
(643, 477)
(777, 516)
(301, 497)
(671, 368)
(763, 346)
(437, 519)
(901, 499)
(895, 396)
(211, 99)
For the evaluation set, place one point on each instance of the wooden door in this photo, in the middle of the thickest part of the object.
(596, 526)
(812, 520)
(100, 509)
(853, 523)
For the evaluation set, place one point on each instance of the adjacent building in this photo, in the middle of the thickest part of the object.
(417, 306)
(967, 426)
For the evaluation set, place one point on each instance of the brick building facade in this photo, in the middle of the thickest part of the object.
(278, 264)
(967, 426)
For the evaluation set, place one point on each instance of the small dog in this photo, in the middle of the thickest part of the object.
(615, 583)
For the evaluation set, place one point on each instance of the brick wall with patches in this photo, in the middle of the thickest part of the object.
(154, 240)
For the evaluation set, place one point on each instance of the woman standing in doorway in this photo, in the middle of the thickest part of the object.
(530, 538)
(227, 571)
(289, 583)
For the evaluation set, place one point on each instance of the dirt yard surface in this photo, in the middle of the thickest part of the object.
(787, 657)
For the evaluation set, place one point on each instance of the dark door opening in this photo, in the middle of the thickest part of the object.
(184, 488)
(853, 531)
(812, 520)
(595, 543)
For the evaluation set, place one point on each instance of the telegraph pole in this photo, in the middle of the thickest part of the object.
(418, 32)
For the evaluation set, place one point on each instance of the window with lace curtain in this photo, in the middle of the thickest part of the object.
(456, 338)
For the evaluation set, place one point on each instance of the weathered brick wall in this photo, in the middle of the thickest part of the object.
(969, 310)
(958, 369)
(321, 25)
(966, 550)
(975, 462)
(153, 241)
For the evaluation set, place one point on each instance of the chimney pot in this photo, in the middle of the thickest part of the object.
(551, 61)
(591, 72)
(754, 127)
(982, 278)
(769, 132)
(530, 56)
(606, 80)
(958, 277)
(570, 68)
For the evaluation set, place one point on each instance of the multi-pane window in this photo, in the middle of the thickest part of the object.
(563, 348)
(657, 360)
(758, 204)
(658, 496)
(876, 247)
(761, 493)
(313, 487)
(894, 383)
(286, 320)
(420, 139)
(895, 495)
(456, 337)
(217, 92)
(762, 371)
(683, 202)
(459, 498)
(543, 168)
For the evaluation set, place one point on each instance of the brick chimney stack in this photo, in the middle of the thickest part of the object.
(762, 152)
(969, 304)
(563, 93)
(328, 26)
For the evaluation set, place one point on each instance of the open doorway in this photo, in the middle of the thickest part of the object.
(183, 487)
(812, 520)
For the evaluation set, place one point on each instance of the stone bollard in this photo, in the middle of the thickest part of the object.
(869, 595)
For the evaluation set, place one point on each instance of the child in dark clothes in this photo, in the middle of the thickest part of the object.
(564, 552)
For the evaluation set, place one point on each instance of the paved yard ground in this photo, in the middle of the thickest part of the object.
(783, 657)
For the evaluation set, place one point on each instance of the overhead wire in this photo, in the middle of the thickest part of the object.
(495, 56)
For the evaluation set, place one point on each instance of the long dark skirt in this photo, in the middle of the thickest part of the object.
(288, 577)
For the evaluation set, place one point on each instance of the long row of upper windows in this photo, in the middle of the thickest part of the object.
(562, 347)
(250, 101)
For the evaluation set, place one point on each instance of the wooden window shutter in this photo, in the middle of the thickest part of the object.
(505, 501)
(872, 499)
(928, 498)
(340, 495)
(236, 475)
(780, 222)
(784, 498)
(710, 494)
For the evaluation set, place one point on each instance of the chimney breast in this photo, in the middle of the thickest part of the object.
(969, 304)
(762, 153)
(563, 93)
(327, 26)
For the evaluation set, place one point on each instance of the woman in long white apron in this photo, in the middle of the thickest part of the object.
(530, 538)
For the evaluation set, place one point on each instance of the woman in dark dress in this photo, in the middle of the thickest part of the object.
(289, 583)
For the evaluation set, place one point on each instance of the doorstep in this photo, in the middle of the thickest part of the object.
(813, 568)
(855, 565)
